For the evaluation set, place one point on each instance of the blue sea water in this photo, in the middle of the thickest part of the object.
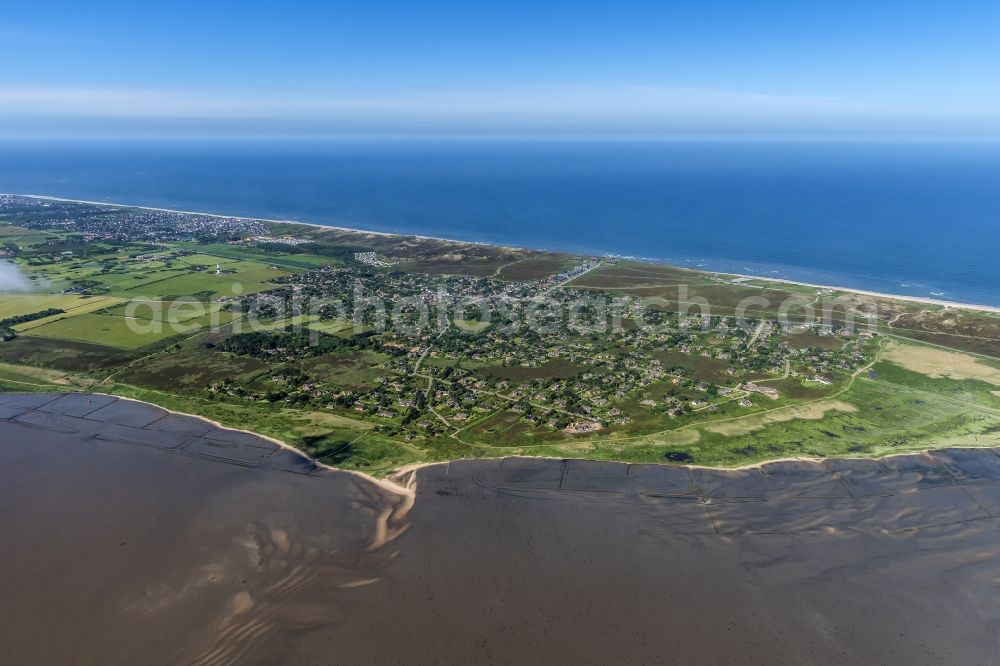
(905, 218)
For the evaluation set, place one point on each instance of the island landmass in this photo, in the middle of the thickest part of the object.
(373, 352)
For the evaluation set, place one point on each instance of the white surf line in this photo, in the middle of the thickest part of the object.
(850, 290)
(243, 218)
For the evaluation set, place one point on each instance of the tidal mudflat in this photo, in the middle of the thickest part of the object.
(132, 535)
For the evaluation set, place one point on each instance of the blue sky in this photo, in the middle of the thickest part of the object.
(465, 68)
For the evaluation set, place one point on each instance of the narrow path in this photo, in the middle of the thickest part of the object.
(786, 375)
(430, 406)
(496, 273)
(157, 353)
(343, 448)
(430, 380)
(756, 333)
(416, 367)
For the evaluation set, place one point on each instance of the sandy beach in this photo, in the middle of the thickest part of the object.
(43, 197)
(138, 535)
(877, 294)
(874, 294)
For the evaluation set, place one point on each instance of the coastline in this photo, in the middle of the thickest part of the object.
(396, 483)
(850, 290)
(385, 483)
(219, 216)
(877, 294)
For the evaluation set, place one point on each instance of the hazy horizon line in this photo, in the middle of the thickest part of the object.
(865, 138)
(554, 111)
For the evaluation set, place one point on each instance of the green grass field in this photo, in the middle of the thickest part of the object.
(107, 330)
(251, 280)
(168, 311)
(205, 260)
(330, 326)
(221, 253)
(13, 305)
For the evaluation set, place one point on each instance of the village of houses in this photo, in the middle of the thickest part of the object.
(437, 377)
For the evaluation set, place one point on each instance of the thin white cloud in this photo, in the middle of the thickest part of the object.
(527, 102)
(12, 280)
(655, 110)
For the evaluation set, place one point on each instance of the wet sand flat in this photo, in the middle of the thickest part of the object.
(125, 544)
(135, 536)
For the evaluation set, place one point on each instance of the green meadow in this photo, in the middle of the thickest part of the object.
(107, 330)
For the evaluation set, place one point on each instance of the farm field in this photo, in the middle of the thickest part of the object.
(107, 330)
(11, 231)
(329, 326)
(13, 305)
(251, 279)
(174, 311)
(217, 252)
